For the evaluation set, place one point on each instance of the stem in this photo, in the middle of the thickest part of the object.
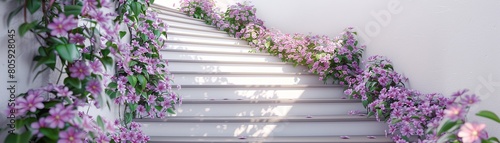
(60, 74)
(25, 17)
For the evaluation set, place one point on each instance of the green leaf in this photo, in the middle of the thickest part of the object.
(107, 62)
(494, 139)
(68, 52)
(51, 133)
(100, 123)
(33, 5)
(73, 82)
(122, 33)
(72, 9)
(25, 27)
(142, 80)
(133, 107)
(50, 104)
(489, 115)
(171, 111)
(18, 138)
(132, 80)
(128, 118)
(112, 85)
(446, 127)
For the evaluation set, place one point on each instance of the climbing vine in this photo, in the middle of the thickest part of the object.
(96, 63)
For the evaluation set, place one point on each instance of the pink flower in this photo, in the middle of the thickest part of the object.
(471, 132)
(79, 70)
(32, 102)
(61, 25)
(59, 115)
(71, 135)
(454, 112)
(94, 87)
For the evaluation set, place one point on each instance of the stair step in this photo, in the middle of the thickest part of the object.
(244, 119)
(205, 39)
(161, 7)
(210, 29)
(236, 93)
(175, 13)
(266, 109)
(275, 79)
(209, 48)
(297, 139)
(206, 43)
(267, 101)
(264, 126)
(240, 67)
(225, 37)
(216, 52)
(239, 73)
(184, 21)
(200, 31)
(217, 56)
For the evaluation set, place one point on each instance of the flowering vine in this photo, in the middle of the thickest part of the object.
(81, 41)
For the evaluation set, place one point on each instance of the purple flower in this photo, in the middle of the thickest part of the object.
(470, 99)
(94, 87)
(71, 135)
(61, 25)
(76, 38)
(79, 70)
(32, 102)
(37, 125)
(63, 91)
(96, 66)
(59, 115)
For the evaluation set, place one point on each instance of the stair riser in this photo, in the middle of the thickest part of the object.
(264, 129)
(197, 31)
(218, 57)
(210, 48)
(296, 109)
(260, 93)
(195, 79)
(222, 67)
(206, 39)
(173, 14)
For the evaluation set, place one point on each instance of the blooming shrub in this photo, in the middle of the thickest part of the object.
(239, 16)
(85, 54)
(143, 83)
(383, 93)
(456, 128)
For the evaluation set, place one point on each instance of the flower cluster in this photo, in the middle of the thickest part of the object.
(383, 93)
(455, 127)
(239, 16)
(143, 83)
(86, 54)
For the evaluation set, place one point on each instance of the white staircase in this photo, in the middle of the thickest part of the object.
(231, 95)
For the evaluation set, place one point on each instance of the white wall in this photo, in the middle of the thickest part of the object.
(441, 46)
(26, 48)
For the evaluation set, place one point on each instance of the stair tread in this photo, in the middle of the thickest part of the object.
(240, 73)
(217, 52)
(201, 35)
(197, 29)
(261, 119)
(265, 101)
(228, 62)
(205, 43)
(261, 86)
(296, 139)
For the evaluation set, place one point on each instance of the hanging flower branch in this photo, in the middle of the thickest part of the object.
(82, 42)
